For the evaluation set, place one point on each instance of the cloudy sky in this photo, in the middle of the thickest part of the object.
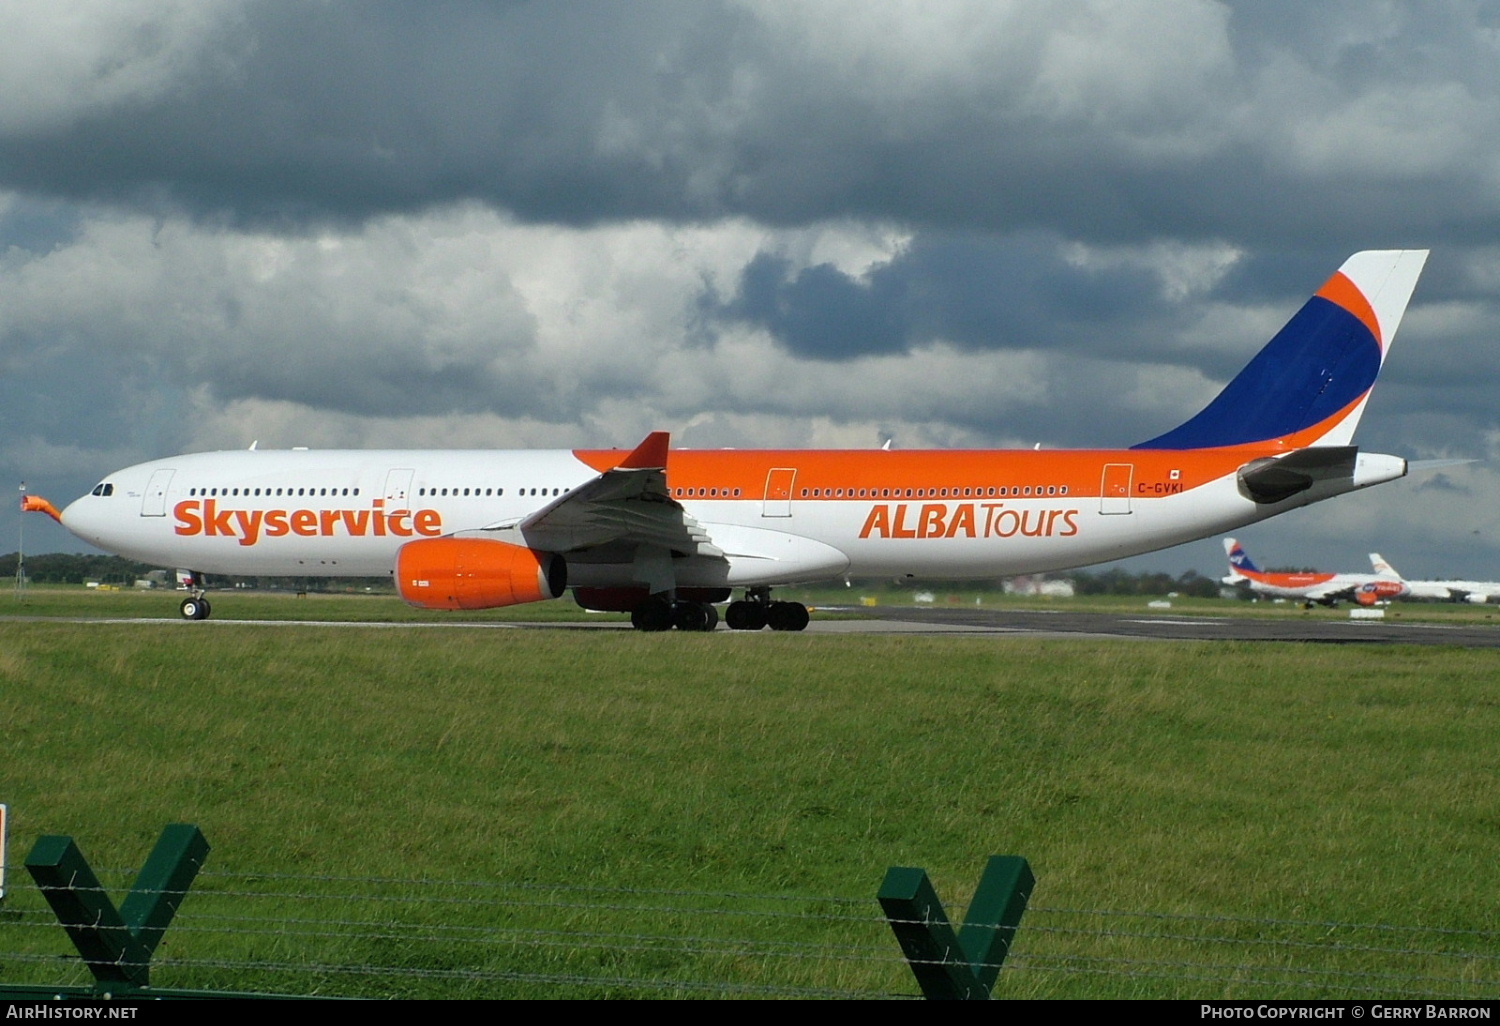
(505, 224)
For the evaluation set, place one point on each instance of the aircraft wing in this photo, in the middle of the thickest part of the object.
(1330, 591)
(1477, 592)
(627, 505)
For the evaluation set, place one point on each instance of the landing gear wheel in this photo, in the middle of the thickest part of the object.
(194, 609)
(745, 616)
(694, 616)
(652, 615)
(787, 616)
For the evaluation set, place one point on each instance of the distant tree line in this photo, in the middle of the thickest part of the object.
(1118, 582)
(77, 568)
(1105, 582)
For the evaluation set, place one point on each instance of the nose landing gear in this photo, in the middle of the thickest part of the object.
(195, 606)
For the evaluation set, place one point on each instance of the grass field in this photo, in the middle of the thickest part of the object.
(532, 813)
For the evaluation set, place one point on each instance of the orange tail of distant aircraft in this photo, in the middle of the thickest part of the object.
(667, 534)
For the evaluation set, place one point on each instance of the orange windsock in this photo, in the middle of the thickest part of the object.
(37, 504)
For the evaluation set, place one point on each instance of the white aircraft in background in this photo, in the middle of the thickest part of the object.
(1477, 592)
(665, 534)
(1310, 587)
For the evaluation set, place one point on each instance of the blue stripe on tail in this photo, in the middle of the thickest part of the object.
(1240, 560)
(1323, 360)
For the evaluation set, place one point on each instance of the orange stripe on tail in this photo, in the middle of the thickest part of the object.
(1345, 293)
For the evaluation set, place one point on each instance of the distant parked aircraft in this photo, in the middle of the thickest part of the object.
(1327, 589)
(1477, 592)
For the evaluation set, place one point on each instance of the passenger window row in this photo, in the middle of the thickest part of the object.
(994, 491)
(481, 493)
(244, 492)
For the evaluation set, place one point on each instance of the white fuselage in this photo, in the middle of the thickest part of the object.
(777, 516)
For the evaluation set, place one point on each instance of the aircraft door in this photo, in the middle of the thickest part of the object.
(1114, 489)
(154, 502)
(398, 489)
(778, 501)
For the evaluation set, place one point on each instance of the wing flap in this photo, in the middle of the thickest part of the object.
(628, 504)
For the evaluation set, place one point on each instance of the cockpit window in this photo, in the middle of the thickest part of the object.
(103, 489)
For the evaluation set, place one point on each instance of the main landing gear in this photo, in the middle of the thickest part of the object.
(752, 613)
(195, 606)
(756, 610)
(658, 613)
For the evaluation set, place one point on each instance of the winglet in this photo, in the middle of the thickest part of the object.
(651, 454)
(37, 504)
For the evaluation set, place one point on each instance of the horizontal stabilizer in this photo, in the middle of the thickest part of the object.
(1275, 478)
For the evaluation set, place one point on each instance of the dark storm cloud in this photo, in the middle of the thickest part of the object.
(579, 113)
(37, 226)
(975, 292)
(349, 110)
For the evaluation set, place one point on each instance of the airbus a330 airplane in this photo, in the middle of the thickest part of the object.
(1327, 589)
(1477, 592)
(664, 533)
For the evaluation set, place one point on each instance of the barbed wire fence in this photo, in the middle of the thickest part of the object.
(380, 937)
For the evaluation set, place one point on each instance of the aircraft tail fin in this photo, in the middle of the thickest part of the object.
(1383, 568)
(1310, 383)
(1239, 559)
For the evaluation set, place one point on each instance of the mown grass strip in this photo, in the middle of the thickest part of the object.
(1321, 784)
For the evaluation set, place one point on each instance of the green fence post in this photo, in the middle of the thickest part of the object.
(117, 945)
(163, 882)
(962, 966)
(108, 948)
(994, 914)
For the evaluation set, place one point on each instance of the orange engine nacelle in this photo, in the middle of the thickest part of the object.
(1377, 591)
(476, 573)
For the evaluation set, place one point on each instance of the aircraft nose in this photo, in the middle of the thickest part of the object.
(81, 517)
